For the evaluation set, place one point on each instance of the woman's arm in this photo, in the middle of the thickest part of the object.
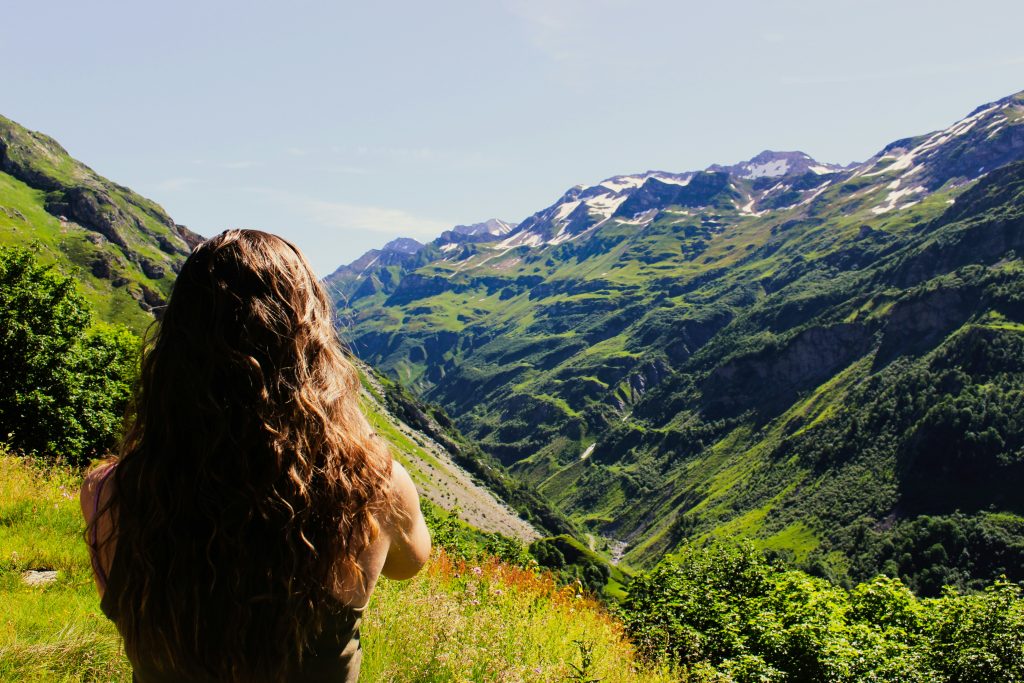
(410, 539)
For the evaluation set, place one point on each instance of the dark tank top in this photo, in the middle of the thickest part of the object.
(333, 656)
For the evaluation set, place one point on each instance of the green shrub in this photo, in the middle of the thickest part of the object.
(725, 613)
(63, 383)
(464, 542)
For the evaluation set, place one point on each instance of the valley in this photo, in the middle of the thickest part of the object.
(825, 360)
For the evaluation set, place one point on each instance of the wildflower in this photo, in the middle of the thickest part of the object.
(477, 571)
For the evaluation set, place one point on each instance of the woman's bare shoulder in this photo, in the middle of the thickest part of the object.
(96, 483)
(404, 499)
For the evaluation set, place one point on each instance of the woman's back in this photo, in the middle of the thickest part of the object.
(335, 653)
(333, 656)
(251, 509)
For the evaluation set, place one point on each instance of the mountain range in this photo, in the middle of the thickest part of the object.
(824, 359)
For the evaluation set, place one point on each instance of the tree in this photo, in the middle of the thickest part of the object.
(63, 382)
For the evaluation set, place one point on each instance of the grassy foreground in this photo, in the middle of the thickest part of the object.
(454, 622)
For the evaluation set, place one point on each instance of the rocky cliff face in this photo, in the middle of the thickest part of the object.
(123, 247)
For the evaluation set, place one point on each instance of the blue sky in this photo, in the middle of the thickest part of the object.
(342, 125)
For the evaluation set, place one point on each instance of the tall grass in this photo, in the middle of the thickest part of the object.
(461, 621)
(453, 622)
(54, 632)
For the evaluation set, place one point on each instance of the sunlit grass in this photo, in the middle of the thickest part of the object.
(490, 622)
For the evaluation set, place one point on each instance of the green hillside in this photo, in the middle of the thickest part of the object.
(826, 361)
(123, 249)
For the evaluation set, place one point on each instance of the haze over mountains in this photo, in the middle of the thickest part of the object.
(766, 349)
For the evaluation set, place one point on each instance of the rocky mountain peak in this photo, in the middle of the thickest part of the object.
(773, 164)
(403, 245)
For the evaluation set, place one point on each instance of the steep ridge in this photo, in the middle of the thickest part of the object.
(428, 451)
(729, 351)
(123, 248)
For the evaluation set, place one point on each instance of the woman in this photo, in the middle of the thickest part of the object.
(240, 531)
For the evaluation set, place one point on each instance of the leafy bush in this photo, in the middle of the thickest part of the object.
(723, 610)
(63, 383)
(572, 563)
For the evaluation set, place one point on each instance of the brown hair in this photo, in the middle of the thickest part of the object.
(248, 481)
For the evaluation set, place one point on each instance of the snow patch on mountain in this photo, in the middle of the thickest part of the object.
(673, 179)
(771, 169)
(493, 226)
(605, 205)
(619, 183)
(565, 209)
(527, 239)
(894, 197)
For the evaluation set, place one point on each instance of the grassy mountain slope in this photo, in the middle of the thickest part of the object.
(432, 454)
(123, 248)
(816, 360)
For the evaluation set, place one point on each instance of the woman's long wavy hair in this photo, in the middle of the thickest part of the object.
(248, 482)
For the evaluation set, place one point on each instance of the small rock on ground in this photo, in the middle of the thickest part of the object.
(39, 577)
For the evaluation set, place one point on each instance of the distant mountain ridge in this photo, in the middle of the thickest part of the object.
(949, 155)
(376, 268)
(674, 355)
(584, 207)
